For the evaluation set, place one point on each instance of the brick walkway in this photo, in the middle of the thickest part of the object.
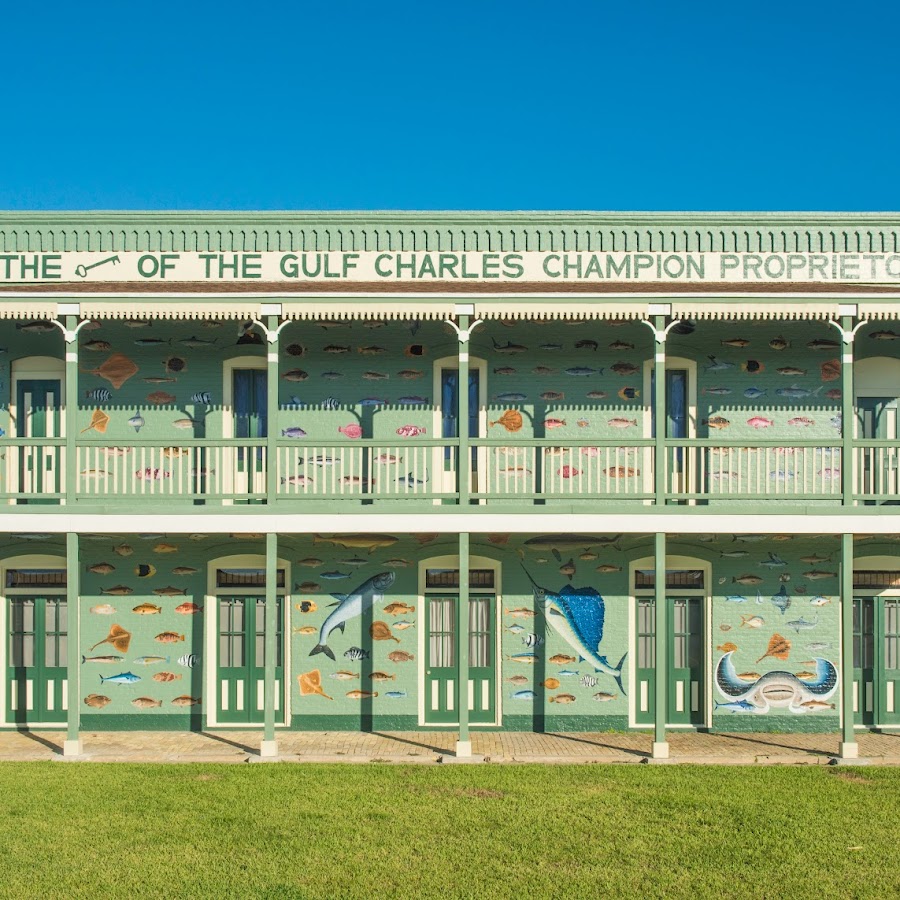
(431, 747)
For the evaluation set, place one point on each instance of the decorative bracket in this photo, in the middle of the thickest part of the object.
(70, 336)
(271, 336)
(848, 337)
(464, 333)
(660, 334)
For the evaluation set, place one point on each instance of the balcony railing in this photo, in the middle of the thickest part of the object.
(364, 472)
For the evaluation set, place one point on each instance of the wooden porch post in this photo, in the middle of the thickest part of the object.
(849, 748)
(72, 745)
(660, 744)
(269, 746)
(464, 743)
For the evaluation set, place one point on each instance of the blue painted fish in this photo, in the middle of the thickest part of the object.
(122, 678)
(736, 706)
(510, 397)
(334, 576)
(523, 695)
(773, 562)
(524, 657)
(395, 695)
(782, 600)
(351, 605)
(753, 393)
(582, 371)
(715, 365)
(802, 624)
(295, 431)
(578, 614)
(795, 392)
(735, 598)
(137, 421)
(414, 400)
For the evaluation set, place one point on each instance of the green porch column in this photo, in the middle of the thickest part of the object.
(465, 454)
(72, 745)
(272, 339)
(849, 748)
(269, 746)
(848, 455)
(464, 743)
(659, 411)
(661, 682)
(69, 484)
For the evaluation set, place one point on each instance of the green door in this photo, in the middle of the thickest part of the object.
(880, 473)
(876, 660)
(645, 692)
(249, 389)
(685, 703)
(36, 660)
(38, 416)
(242, 658)
(442, 678)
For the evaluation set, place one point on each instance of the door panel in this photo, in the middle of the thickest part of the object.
(450, 424)
(876, 660)
(686, 701)
(241, 658)
(250, 410)
(880, 475)
(37, 660)
(38, 415)
(442, 679)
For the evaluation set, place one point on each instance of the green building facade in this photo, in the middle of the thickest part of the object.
(264, 469)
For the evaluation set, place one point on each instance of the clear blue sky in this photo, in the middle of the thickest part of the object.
(460, 105)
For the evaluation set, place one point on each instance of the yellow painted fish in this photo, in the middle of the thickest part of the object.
(165, 548)
(360, 695)
(305, 629)
(147, 609)
(520, 613)
(561, 659)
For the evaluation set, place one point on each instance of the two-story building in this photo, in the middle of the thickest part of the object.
(403, 471)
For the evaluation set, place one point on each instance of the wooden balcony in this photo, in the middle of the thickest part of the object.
(504, 474)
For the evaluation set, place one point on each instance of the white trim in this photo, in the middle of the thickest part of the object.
(211, 635)
(452, 561)
(672, 562)
(448, 522)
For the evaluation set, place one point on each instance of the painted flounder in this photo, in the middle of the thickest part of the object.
(578, 615)
(350, 605)
(777, 689)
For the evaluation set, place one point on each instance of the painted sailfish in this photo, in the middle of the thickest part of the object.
(578, 614)
(350, 605)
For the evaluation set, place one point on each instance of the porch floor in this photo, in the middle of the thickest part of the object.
(433, 747)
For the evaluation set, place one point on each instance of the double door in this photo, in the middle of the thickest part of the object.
(876, 660)
(686, 684)
(37, 657)
(241, 624)
(37, 470)
(879, 472)
(443, 679)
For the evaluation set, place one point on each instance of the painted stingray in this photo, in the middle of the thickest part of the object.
(777, 689)
(578, 614)
(350, 605)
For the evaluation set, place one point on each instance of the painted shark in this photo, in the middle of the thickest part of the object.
(350, 605)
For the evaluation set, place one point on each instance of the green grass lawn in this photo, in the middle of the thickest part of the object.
(146, 831)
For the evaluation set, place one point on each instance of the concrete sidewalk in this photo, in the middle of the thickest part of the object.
(436, 747)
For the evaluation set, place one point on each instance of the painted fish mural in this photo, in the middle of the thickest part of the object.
(577, 614)
(776, 690)
(351, 605)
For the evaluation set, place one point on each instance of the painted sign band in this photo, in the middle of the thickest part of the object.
(424, 266)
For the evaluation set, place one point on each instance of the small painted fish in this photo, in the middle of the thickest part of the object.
(295, 431)
(97, 701)
(816, 575)
(747, 579)
(119, 590)
(588, 681)
(736, 706)
(102, 659)
(189, 660)
(165, 548)
(529, 658)
(407, 431)
(403, 624)
(295, 375)
(753, 393)
(147, 609)
(99, 394)
(520, 613)
(395, 695)
(582, 371)
(532, 640)
(122, 678)
(344, 676)
(169, 637)
(399, 656)
(715, 365)
(802, 624)
(203, 397)
(103, 609)
(752, 621)
(562, 659)
(523, 695)
(355, 654)
(782, 601)
(185, 700)
(361, 695)
(563, 698)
